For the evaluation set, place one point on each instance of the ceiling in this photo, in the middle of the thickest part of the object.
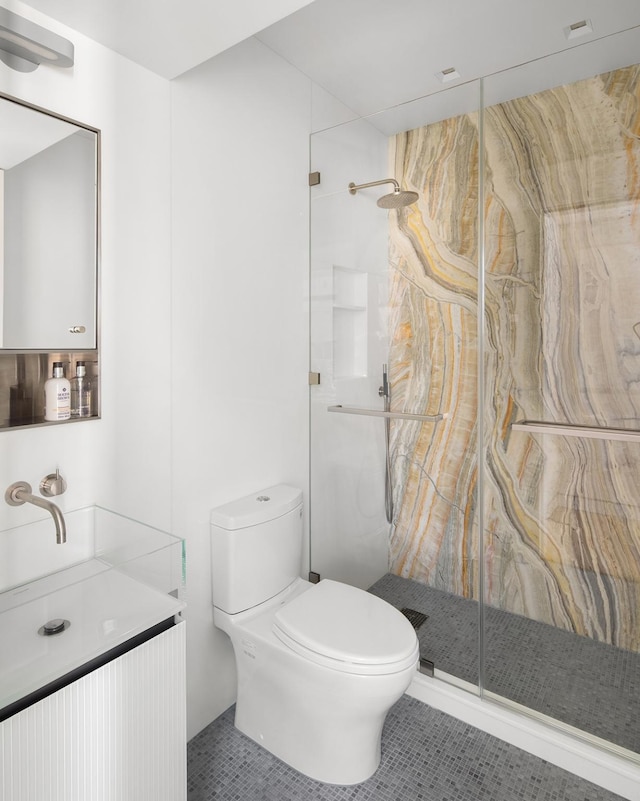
(168, 37)
(370, 54)
(374, 54)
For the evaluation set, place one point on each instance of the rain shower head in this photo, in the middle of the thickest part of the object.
(394, 200)
(397, 199)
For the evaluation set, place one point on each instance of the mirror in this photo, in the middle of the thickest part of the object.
(48, 231)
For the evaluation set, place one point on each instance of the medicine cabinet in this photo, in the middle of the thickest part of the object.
(49, 234)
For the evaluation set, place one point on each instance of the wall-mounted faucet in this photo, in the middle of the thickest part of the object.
(53, 484)
(20, 493)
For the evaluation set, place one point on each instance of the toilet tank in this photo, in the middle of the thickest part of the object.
(256, 547)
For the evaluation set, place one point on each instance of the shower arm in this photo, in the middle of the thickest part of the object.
(353, 188)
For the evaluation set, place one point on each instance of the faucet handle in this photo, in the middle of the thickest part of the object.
(53, 484)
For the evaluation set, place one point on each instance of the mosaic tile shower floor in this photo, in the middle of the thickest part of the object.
(426, 756)
(589, 685)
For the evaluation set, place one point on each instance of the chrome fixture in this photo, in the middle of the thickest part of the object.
(55, 626)
(53, 484)
(574, 430)
(20, 493)
(426, 666)
(394, 200)
(25, 45)
(424, 418)
(385, 392)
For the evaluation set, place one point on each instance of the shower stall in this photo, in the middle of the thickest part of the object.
(479, 353)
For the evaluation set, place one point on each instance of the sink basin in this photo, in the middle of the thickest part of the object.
(128, 578)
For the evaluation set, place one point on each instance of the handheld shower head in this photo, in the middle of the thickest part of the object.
(394, 200)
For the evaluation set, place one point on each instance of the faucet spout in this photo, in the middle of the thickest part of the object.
(20, 493)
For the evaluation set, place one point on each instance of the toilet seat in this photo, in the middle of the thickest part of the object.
(347, 629)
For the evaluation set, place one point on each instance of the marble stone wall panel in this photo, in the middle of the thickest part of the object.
(562, 293)
(433, 354)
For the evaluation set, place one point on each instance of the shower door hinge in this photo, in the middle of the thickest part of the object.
(314, 378)
(314, 178)
(314, 578)
(426, 666)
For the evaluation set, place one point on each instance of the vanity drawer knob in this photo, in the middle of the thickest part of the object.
(77, 329)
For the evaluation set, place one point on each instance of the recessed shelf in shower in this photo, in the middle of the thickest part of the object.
(350, 291)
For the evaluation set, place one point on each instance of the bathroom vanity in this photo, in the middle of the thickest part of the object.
(95, 710)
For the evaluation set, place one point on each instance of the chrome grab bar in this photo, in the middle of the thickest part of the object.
(570, 430)
(425, 418)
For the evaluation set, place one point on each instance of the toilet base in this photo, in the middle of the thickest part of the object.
(331, 740)
(325, 745)
(325, 723)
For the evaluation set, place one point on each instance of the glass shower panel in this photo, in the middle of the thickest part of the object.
(349, 338)
(396, 292)
(561, 515)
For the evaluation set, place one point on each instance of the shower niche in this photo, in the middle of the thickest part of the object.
(350, 295)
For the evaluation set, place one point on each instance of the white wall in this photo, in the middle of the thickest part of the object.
(123, 460)
(232, 383)
(240, 330)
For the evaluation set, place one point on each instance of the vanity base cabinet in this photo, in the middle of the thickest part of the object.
(116, 734)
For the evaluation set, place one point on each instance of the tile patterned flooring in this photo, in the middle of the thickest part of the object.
(430, 756)
(426, 756)
(590, 685)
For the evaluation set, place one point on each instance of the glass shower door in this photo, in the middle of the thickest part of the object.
(399, 288)
(349, 344)
(562, 397)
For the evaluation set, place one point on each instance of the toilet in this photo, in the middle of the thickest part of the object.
(319, 665)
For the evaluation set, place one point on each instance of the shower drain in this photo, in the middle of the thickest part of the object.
(414, 617)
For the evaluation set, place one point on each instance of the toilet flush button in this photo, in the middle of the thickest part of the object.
(263, 498)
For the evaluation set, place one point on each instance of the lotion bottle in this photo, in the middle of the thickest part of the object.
(80, 392)
(57, 395)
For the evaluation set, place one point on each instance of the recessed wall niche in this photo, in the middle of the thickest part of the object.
(22, 377)
(349, 322)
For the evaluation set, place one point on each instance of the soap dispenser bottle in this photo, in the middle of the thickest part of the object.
(57, 395)
(80, 392)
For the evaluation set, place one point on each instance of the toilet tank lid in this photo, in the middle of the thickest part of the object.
(260, 507)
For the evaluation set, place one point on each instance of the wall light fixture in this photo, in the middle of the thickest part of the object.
(25, 45)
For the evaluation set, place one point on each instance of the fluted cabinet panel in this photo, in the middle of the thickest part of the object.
(117, 734)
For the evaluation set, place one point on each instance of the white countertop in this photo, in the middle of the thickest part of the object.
(104, 606)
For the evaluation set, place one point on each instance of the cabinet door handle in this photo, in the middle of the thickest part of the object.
(77, 329)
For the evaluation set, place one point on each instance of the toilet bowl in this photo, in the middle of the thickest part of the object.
(319, 665)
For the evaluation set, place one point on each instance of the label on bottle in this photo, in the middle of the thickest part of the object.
(63, 412)
(57, 399)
